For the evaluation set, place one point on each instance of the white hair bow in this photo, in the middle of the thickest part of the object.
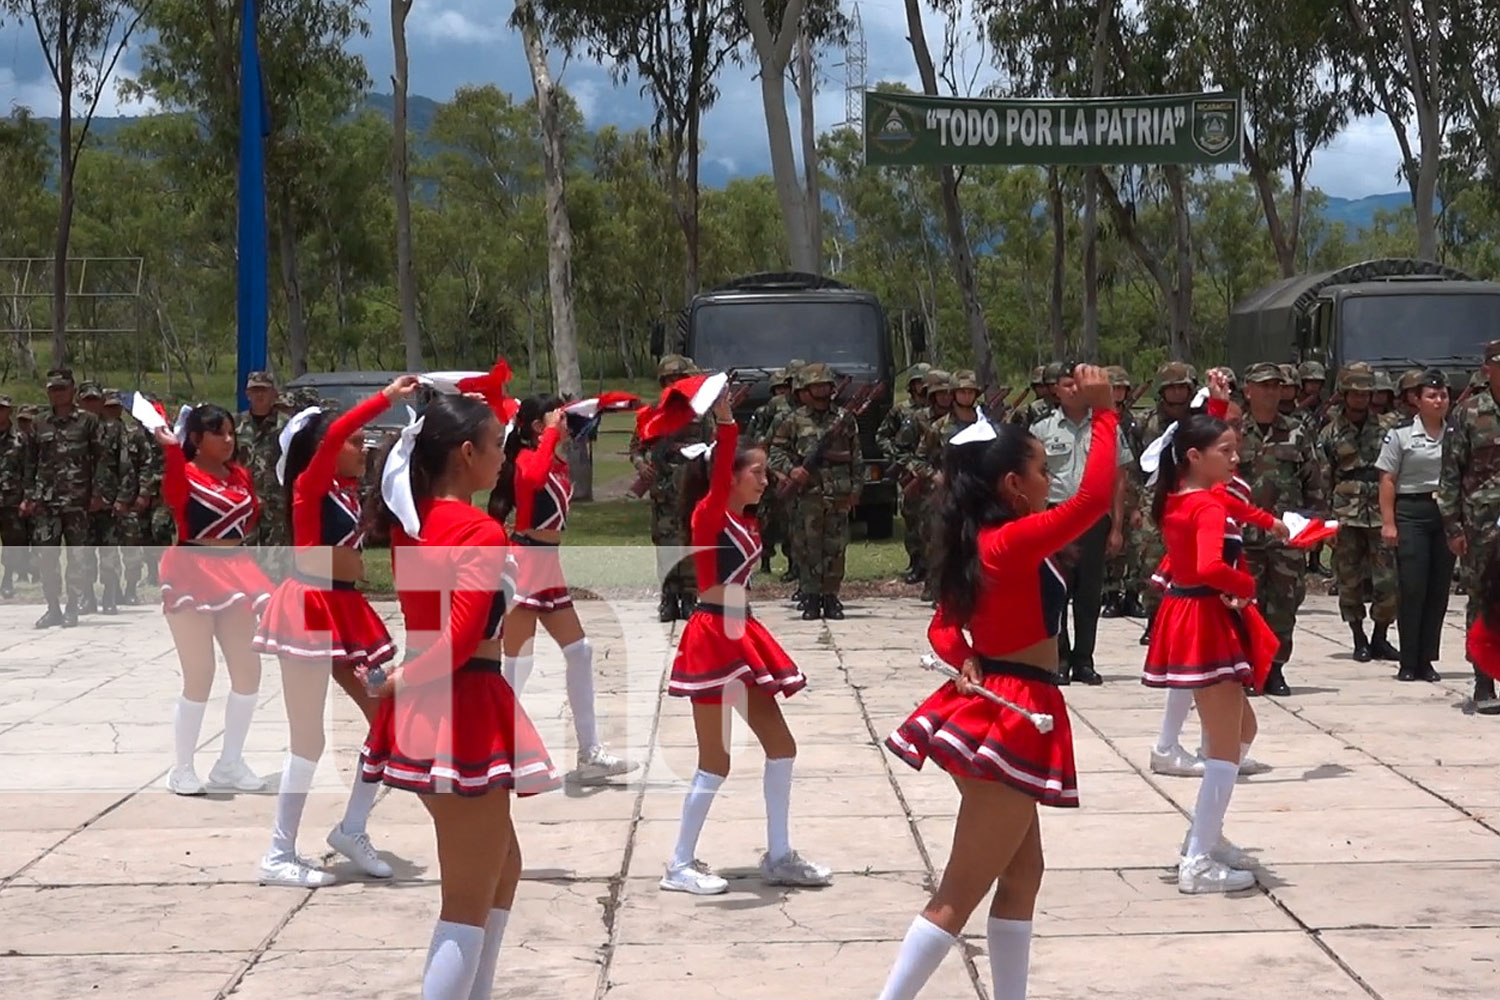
(284, 440)
(395, 480)
(1151, 457)
(978, 432)
(697, 450)
(180, 428)
(1200, 398)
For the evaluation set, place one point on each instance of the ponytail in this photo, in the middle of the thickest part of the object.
(968, 502)
(523, 435)
(299, 455)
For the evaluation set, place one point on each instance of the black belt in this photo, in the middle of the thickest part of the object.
(722, 611)
(322, 583)
(525, 540)
(1022, 671)
(478, 664)
(1416, 496)
(1200, 591)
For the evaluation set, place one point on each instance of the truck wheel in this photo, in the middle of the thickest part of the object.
(880, 522)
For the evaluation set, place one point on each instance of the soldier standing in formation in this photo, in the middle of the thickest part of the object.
(1382, 400)
(257, 435)
(817, 448)
(772, 511)
(134, 500)
(1120, 573)
(1409, 393)
(64, 462)
(963, 412)
(920, 466)
(1469, 495)
(1311, 378)
(13, 540)
(1279, 459)
(1176, 381)
(888, 438)
(101, 560)
(1362, 564)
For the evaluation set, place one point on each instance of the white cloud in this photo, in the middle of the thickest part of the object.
(455, 26)
(40, 95)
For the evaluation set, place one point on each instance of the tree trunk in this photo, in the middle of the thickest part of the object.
(1422, 72)
(774, 52)
(1286, 250)
(1059, 261)
(291, 284)
(67, 162)
(959, 254)
(687, 210)
(1182, 294)
(1090, 345)
(406, 276)
(810, 150)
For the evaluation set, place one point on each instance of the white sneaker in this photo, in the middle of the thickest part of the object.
(298, 873)
(1252, 766)
(793, 869)
(1223, 852)
(597, 764)
(236, 774)
(696, 878)
(183, 780)
(1176, 762)
(357, 848)
(1203, 874)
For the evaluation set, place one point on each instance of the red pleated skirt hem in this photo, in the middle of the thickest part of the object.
(307, 623)
(211, 579)
(1197, 642)
(720, 654)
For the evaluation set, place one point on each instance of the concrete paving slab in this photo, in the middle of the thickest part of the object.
(120, 977)
(1390, 894)
(1422, 964)
(141, 919)
(558, 972)
(883, 844)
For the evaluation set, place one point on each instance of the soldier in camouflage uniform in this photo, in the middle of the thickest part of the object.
(770, 511)
(887, 438)
(1311, 378)
(920, 467)
(963, 412)
(1382, 400)
(134, 501)
(257, 437)
(817, 448)
(101, 559)
(1279, 460)
(26, 425)
(13, 540)
(1408, 391)
(65, 459)
(1469, 495)
(1046, 398)
(661, 465)
(1176, 381)
(1365, 568)
(1120, 574)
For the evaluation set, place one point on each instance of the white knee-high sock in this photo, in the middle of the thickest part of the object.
(922, 951)
(484, 978)
(579, 657)
(239, 709)
(296, 781)
(1179, 704)
(361, 801)
(517, 670)
(1213, 803)
(694, 812)
(777, 784)
(452, 961)
(1010, 957)
(187, 726)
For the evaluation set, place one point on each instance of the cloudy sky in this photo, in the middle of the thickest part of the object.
(457, 42)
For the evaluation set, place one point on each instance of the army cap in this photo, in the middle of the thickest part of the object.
(1357, 377)
(1429, 378)
(305, 396)
(1312, 371)
(938, 380)
(917, 372)
(1383, 383)
(59, 378)
(1054, 372)
(813, 374)
(1175, 373)
(673, 365)
(113, 397)
(1263, 371)
(6, 402)
(260, 380)
(1411, 379)
(965, 378)
(27, 412)
(89, 389)
(1037, 374)
(1118, 376)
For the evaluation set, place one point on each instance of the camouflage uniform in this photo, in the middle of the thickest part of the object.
(26, 426)
(1120, 573)
(1382, 400)
(1041, 408)
(1364, 566)
(258, 448)
(830, 492)
(13, 541)
(65, 460)
(1148, 547)
(101, 560)
(664, 460)
(921, 461)
(888, 439)
(1469, 495)
(1410, 379)
(771, 511)
(136, 496)
(1280, 463)
(1310, 407)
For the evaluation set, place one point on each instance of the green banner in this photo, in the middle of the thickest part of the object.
(1177, 128)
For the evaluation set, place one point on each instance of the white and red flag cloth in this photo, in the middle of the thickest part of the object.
(1307, 532)
(681, 403)
(489, 385)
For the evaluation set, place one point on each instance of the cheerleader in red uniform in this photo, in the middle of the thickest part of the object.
(318, 623)
(998, 580)
(448, 726)
(727, 658)
(211, 589)
(534, 484)
(1200, 642)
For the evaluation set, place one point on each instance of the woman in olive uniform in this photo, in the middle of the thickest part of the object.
(1410, 464)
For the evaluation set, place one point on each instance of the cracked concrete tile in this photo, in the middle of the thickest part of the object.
(1416, 964)
(553, 972)
(120, 977)
(1391, 894)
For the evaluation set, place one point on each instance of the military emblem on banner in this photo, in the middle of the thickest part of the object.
(1216, 124)
(894, 129)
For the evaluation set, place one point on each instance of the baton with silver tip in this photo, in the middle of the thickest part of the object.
(1041, 720)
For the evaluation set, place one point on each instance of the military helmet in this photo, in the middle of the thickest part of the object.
(1383, 383)
(1118, 376)
(675, 365)
(1176, 373)
(917, 372)
(1410, 379)
(815, 374)
(938, 380)
(1357, 377)
(1053, 373)
(1312, 371)
(89, 389)
(780, 376)
(27, 412)
(6, 402)
(305, 397)
(1263, 371)
(965, 378)
(1038, 375)
(1228, 374)
(1289, 375)
(113, 397)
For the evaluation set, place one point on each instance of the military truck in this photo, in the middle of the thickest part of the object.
(1393, 313)
(756, 324)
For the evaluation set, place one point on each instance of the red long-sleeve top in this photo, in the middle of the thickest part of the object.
(1022, 593)
(207, 507)
(543, 489)
(1193, 529)
(461, 556)
(325, 505)
(1235, 494)
(727, 545)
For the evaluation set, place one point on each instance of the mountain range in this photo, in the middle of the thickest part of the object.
(1355, 213)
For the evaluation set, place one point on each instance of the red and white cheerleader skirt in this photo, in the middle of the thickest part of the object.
(211, 578)
(1198, 641)
(722, 648)
(970, 736)
(325, 621)
(534, 576)
(463, 733)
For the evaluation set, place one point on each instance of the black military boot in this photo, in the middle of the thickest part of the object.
(686, 604)
(913, 572)
(1485, 702)
(52, 618)
(1362, 652)
(1109, 604)
(1409, 672)
(6, 588)
(765, 562)
(812, 607)
(107, 604)
(833, 608)
(667, 608)
(1380, 646)
(1131, 606)
(1084, 673)
(70, 616)
(1064, 670)
(1146, 635)
(1276, 684)
(86, 603)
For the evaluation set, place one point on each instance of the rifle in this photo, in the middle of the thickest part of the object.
(995, 398)
(1135, 395)
(861, 401)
